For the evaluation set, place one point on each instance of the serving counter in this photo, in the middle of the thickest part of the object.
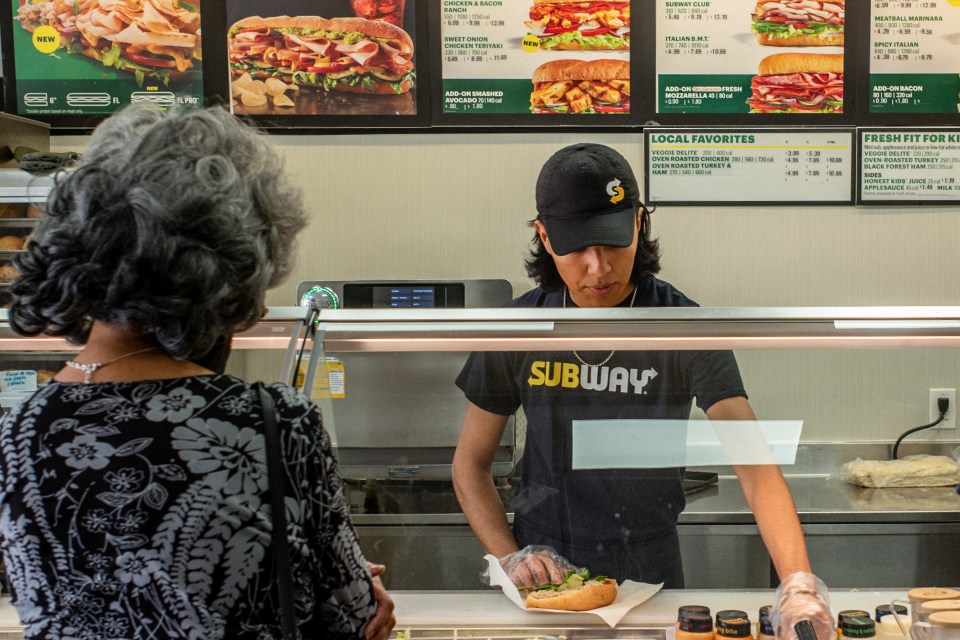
(426, 614)
(489, 614)
(854, 376)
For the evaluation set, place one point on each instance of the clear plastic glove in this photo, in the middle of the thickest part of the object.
(802, 596)
(535, 565)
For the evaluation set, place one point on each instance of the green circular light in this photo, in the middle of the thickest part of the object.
(320, 297)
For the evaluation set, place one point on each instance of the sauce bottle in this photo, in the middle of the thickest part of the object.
(765, 624)
(689, 609)
(887, 610)
(888, 629)
(695, 625)
(849, 613)
(732, 623)
(858, 627)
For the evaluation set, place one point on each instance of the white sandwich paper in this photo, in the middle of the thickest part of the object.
(629, 595)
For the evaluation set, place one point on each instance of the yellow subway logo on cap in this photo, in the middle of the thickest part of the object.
(614, 189)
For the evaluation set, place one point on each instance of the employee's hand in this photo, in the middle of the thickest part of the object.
(802, 596)
(383, 621)
(535, 565)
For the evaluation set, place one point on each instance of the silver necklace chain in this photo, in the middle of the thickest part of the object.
(89, 368)
(607, 359)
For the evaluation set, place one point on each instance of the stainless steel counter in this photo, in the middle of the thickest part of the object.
(851, 533)
(819, 500)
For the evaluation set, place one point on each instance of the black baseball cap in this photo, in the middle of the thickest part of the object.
(587, 195)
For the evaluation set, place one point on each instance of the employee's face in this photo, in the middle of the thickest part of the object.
(597, 276)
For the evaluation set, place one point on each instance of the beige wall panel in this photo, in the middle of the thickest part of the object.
(450, 206)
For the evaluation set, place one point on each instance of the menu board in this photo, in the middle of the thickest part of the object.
(750, 57)
(749, 166)
(914, 56)
(544, 59)
(297, 59)
(83, 57)
(902, 166)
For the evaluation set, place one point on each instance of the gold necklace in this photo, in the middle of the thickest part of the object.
(607, 359)
(89, 369)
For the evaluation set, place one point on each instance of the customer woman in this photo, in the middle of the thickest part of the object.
(133, 488)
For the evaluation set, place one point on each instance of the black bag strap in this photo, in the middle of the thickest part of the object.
(277, 479)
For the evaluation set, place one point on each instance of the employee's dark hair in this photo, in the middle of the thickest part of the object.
(173, 224)
(541, 268)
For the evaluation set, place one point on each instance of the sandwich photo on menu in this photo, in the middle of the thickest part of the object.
(799, 23)
(798, 83)
(573, 25)
(576, 86)
(314, 56)
(158, 41)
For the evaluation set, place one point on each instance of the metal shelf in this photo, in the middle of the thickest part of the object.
(458, 330)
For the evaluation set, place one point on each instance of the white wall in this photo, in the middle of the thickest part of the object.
(450, 206)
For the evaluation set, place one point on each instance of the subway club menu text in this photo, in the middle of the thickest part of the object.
(745, 56)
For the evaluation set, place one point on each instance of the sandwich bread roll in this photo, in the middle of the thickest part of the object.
(787, 63)
(577, 592)
(798, 83)
(11, 243)
(576, 86)
(563, 70)
(800, 23)
(800, 41)
(355, 55)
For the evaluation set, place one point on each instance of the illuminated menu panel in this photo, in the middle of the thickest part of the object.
(749, 57)
(900, 166)
(518, 57)
(914, 59)
(94, 60)
(740, 166)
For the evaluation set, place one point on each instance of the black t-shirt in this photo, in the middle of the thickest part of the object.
(606, 517)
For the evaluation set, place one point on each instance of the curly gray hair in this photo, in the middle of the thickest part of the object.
(173, 224)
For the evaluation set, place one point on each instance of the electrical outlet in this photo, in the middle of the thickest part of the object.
(949, 420)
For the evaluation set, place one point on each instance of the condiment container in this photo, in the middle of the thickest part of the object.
(690, 609)
(925, 594)
(695, 626)
(935, 606)
(858, 627)
(886, 610)
(888, 629)
(732, 623)
(942, 625)
(849, 613)
(765, 624)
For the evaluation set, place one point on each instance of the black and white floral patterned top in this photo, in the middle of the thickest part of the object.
(140, 510)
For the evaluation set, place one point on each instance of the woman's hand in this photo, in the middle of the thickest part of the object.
(383, 621)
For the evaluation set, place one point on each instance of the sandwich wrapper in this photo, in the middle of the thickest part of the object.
(629, 595)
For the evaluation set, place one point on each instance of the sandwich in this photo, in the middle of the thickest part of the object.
(573, 24)
(575, 86)
(333, 54)
(155, 40)
(799, 23)
(798, 83)
(577, 592)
